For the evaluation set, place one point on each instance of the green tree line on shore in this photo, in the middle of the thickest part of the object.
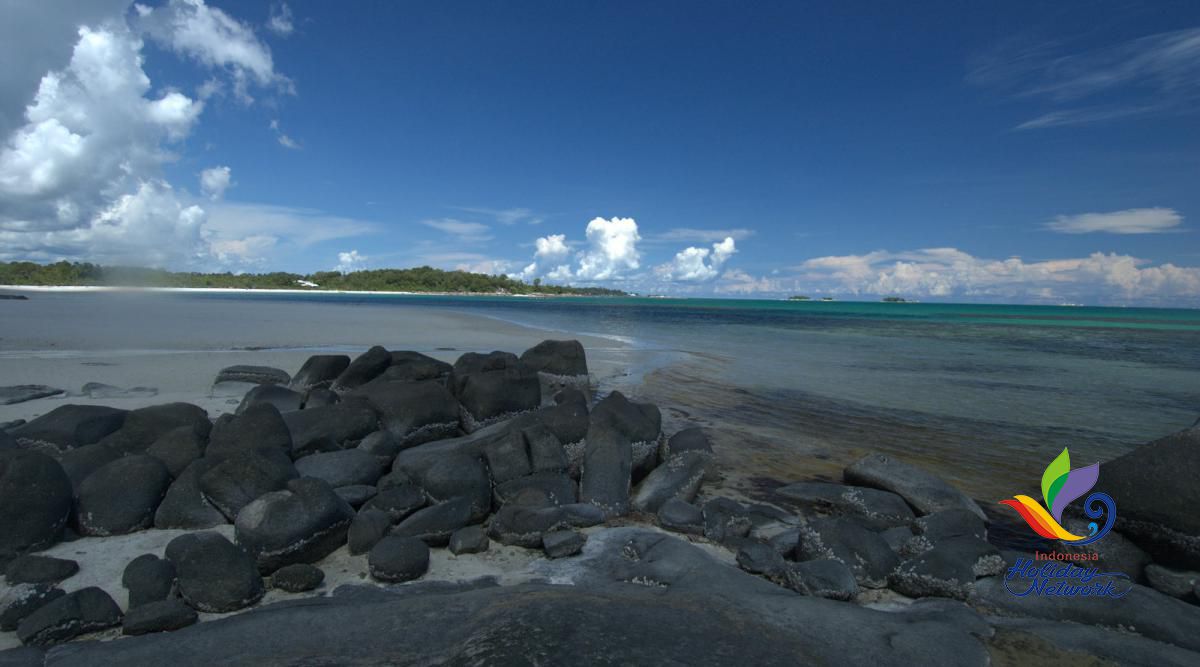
(420, 279)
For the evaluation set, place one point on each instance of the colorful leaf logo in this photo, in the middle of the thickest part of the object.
(1060, 487)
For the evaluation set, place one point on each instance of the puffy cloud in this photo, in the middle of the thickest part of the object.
(465, 231)
(612, 249)
(214, 182)
(212, 38)
(1130, 221)
(552, 259)
(280, 21)
(948, 272)
(697, 264)
(350, 261)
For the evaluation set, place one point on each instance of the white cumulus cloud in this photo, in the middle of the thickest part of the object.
(697, 264)
(551, 259)
(280, 21)
(215, 181)
(612, 249)
(350, 261)
(1130, 221)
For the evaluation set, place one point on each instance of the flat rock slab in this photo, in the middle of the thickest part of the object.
(253, 374)
(26, 392)
(926, 492)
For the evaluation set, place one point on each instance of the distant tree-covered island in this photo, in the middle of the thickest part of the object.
(798, 297)
(420, 279)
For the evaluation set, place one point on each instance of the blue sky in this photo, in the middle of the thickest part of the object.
(960, 151)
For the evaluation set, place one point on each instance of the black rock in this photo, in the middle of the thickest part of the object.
(640, 422)
(396, 559)
(69, 426)
(557, 357)
(213, 574)
(161, 616)
(882, 509)
(86, 610)
(99, 390)
(865, 552)
(760, 558)
(20, 393)
(568, 418)
(241, 478)
(945, 524)
(149, 579)
(122, 496)
(522, 525)
(563, 543)
(678, 477)
(368, 527)
(469, 540)
(330, 428)
(398, 502)
(365, 367)
(926, 492)
(688, 440)
(35, 502)
(949, 569)
(21, 600)
(382, 445)
(344, 468)
(144, 426)
(435, 524)
(1176, 583)
(1154, 488)
(253, 375)
(414, 367)
(185, 506)
(319, 372)
(7, 442)
(681, 517)
(607, 464)
(34, 569)
(298, 578)
(546, 453)
(260, 427)
(284, 399)
(557, 487)
(80, 462)
(356, 495)
(825, 578)
(725, 520)
(320, 398)
(458, 476)
(507, 457)
(413, 412)
(177, 449)
(494, 386)
(301, 524)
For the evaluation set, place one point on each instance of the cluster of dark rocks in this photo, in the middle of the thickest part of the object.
(393, 454)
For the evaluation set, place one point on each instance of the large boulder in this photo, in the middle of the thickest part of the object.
(241, 478)
(883, 509)
(365, 367)
(606, 470)
(69, 426)
(641, 423)
(691, 439)
(300, 524)
(252, 375)
(824, 577)
(331, 427)
(260, 427)
(436, 523)
(677, 478)
(284, 399)
(298, 578)
(161, 616)
(319, 372)
(148, 579)
(398, 501)
(568, 418)
(556, 487)
(348, 467)
(35, 569)
(455, 476)
(507, 457)
(382, 445)
(397, 559)
(177, 449)
(214, 575)
(864, 552)
(557, 357)
(122, 496)
(366, 529)
(414, 367)
(185, 506)
(949, 569)
(142, 427)
(35, 502)
(1154, 489)
(469, 540)
(413, 412)
(681, 517)
(524, 525)
(13, 394)
(86, 610)
(80, 462)
(21, 600)
(926, 492)
(493, 387)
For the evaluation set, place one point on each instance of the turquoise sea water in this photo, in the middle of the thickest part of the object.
(987, 394)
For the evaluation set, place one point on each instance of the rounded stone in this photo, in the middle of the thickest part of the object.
(397, 559)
